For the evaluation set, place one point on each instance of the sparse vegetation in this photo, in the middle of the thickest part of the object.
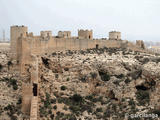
(11, 111)
(155, 111)
(77, 98)
(53, 101)
(104, 76)
(63, 87)
(55, 107)
(68, 79)
(99, 110)
(66, 69)
(47, 102)
(127, 81)
(11, 82)
(120, 76)
(83, 78)
(142, 97)
(56, 76)
(71, 91)
(116, 82)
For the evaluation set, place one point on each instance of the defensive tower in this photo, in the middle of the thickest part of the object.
(15, 33)
(114, 35)
(85, 34)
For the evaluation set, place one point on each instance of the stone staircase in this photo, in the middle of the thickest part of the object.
(34, 108)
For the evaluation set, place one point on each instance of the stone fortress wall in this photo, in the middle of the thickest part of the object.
(24, 44)
(26, 47)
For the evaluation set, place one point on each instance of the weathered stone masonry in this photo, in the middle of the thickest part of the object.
(25, 47)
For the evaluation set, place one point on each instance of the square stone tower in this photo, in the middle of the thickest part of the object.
(64, 34)
(85, 34)
(140, 44)
(15, 33)
(114, 35)
(46, 34)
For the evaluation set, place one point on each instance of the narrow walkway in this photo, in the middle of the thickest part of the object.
(34, 108)
(34, 79)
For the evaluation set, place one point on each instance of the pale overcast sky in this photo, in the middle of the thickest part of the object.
(136, 19)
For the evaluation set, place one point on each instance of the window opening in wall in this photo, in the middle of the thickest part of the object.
(97, 46)
(35, 86)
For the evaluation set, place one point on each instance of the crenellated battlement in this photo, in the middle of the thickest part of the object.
(23, 44)
(85, 34)
(114, 35)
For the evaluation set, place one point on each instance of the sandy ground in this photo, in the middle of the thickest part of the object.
(4, 46)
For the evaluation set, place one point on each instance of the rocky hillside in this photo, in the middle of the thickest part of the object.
(95, 84)
(10, 89)
(98, 84)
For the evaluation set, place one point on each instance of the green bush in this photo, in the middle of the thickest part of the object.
(90, 97)
(56, 76)
(142, 97)
(43, 111)
(61, 100)
(66, 69)
(11, 82)
(53, 101)
(107, 113)
(47, 102)
(114, 107)
(59, 115)
(67, 79)
(99, 110)
(104, 76)
(116, 82)
(63, 87)
(55, 107)
(77, 98)
(131, 102)
(75, 109)
(127, 81)
(120, 76)
(83, 78)
(15, 87)
(11, 110)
